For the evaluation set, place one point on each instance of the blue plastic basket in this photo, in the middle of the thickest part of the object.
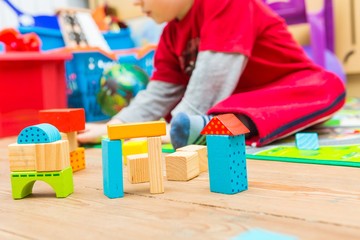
(83, 74)
(52, 38)
(145, 61)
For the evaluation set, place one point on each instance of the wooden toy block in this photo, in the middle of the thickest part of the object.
(182, 166)
(65, 120)
(22, 157)
(155, 165)
(77, 159)
(53, 156)
(225, 124)
(203, 155)
(41, 133)
(138, 168)
(227, 163)
(112, 168)
(72, 139)
(307, 141)
(136, 130)
(134, 147)
(62, 182)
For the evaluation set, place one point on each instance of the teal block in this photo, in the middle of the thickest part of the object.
(41, 133)
(112, 168)
(256, 234)
(307, 141)
(227, 163)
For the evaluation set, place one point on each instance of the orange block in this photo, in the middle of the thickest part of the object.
(77, 159)
(65, 120)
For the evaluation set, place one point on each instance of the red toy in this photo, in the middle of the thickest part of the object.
(17, 42)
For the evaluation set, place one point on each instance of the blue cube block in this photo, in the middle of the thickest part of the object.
(307, 141)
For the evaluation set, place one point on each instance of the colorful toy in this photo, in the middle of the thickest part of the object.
(225, 137)
(112, 155)
(39, 155)
(17, 42)
(118, 85)
(68, 121)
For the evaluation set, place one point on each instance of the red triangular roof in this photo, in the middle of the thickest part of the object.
(225, 124)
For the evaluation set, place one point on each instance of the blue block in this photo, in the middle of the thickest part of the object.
(112, 168)
(227, 163)
(307, 141)
(40, 133)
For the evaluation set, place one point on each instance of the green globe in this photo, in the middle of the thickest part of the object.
(118, 85)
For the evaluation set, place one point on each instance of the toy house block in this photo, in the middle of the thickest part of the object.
(225, 137)
(134, 147)
(77, 159)
(203, 155)
(112, 168)
(52, 156)
(66, 120)
(136, 130)
(138, 168)
(227, 163)
(62, 182)
(40, 133)
(182, 166)
(155, 165)
(307, 141)
(22, 157)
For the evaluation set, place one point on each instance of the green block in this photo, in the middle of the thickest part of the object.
(61, 181)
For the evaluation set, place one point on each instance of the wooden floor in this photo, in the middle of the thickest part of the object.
(307, 201)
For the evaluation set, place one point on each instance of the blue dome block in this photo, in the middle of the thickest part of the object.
(41, 133)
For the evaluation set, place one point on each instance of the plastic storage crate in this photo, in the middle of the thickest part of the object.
(52, 38)
(84, 71)
(142, 57)
(30, 81)
(83, 74)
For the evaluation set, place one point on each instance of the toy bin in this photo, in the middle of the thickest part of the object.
(30, 81)
(142, 57)
(119, 40)
(83, 74)
(52, 38)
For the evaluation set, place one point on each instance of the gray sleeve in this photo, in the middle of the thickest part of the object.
(151, 104)
(214, 78)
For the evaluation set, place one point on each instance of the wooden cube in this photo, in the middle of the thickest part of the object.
(138, 168)
(203, 156)
(182, 166)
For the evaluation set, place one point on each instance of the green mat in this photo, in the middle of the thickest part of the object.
(326, 155)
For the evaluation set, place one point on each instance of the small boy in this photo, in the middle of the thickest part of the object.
(229, 56)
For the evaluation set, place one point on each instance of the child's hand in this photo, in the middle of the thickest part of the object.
(94, 132)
